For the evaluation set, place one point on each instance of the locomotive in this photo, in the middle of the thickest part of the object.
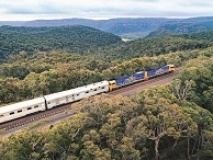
(17, 110)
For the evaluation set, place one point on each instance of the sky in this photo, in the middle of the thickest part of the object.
(16, 10)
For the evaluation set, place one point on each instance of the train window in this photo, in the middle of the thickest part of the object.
(19, 111)
(77, 94)
(95, 89)
(36, 106)
(29, 108)
(1, 116)
(87, 92)
(12, 113)
(103, 87)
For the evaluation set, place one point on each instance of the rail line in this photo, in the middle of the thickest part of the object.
(34, 117)
(127, 90)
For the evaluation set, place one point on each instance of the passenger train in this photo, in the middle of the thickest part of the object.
(17, 110)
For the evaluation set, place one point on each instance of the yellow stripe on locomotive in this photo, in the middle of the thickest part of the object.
(112, 85)
(171, 67)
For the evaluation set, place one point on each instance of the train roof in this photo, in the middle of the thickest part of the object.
(20, 105)
(76, 90)
(171, 65)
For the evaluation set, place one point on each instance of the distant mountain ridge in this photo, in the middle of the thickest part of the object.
(115, 26)
(123, 26)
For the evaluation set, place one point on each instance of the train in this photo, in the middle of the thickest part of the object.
(46, 102)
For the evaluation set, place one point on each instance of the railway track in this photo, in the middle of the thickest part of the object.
(33, 118)
(127, 90)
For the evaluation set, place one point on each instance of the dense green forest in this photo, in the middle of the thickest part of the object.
(168, 122)
(159, 123)
(77, 39)
(207, 35)
(157, 46)
(25, 76)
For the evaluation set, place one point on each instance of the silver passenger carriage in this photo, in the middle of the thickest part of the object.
(24, 108)
(76, 94)
(21, 109)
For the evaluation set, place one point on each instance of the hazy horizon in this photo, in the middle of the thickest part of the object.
(104, 19)
(27, 10)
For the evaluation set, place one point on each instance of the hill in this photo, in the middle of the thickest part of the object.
(128, 27)
(187, 26)
(71, 38)
(156, 46)
(201, 36)
(118, 26)
(205, 35)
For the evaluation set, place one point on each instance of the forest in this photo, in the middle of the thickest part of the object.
(25, 76)
(174, 121)
(167, 122)
(75, 39)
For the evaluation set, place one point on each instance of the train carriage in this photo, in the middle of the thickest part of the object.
(76, 94)
(21, 109)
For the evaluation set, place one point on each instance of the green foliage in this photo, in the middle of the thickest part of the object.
(168, 122)
(186, 26)
(201, 73)
(71, 38)
(198, 71)
(151, 124)
(205, 36)
(155, 46)
(49, 72)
